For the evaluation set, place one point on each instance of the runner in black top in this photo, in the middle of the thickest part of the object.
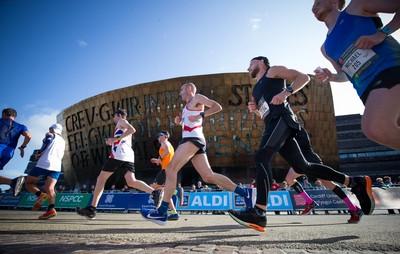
(269, 102)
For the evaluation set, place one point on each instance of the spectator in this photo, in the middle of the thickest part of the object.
(380, 183)
(275, 186)
(199, 186)
(83, 189)
(113, 188)
(305, 184)
(179, 194)
(387, 180)
(91, 190)
(319, 185)
(284, 186)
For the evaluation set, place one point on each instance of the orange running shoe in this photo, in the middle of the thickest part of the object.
(48, 214)
(251, 218)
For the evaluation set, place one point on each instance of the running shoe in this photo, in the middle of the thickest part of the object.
(355, 216)
(157, 196)
(48, 214)
(86, 212)
(17, 185)
(154, 216)
(309, 208)
(251, 218)
(39, 201)
(173, 216)
(362, 188)
(250, 198)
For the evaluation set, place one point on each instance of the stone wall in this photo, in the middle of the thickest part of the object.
(232, 135)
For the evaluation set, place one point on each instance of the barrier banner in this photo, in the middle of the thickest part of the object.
(28, 199)
(114, 201)
(388, 198)
(72, 200)
(63, 200)
(326, 200)
(279, 201)
(210, 201)
(7, 199)
(125, 201)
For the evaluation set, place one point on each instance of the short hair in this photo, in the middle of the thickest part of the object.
(193, 86)
(121, 112)
(263, 58)
(341, 4)
(9, 112)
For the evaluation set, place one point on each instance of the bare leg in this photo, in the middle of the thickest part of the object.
(98, 190)
(182, 155)
(200, 162)
(49, 189)
(381, 119)
(137, 184)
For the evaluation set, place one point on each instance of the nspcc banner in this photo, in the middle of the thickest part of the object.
(63, 200)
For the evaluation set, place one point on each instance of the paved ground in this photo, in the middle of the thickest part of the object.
(21, 232)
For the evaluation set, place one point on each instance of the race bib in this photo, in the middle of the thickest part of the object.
(263, 108)
(356, 60)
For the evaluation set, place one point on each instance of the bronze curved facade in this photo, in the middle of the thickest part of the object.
(232, 135)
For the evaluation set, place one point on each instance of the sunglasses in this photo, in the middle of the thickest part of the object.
(160, 134)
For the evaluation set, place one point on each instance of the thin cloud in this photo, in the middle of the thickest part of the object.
(82, 43)
(255, 23)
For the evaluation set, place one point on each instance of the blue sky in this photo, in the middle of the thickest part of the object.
(55, 53)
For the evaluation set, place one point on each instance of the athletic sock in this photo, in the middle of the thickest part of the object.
(307, 198)
(299, 189)
(340, 193)
(240, 190)
(163, 207)
(349, 204)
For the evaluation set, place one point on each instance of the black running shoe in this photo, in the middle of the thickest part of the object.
(157, 196)
(86, 212)
(251, 218)
(361, 186)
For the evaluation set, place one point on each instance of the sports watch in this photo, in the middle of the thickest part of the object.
(289, 89)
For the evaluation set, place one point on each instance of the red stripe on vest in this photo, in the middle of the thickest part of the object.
(189, 129)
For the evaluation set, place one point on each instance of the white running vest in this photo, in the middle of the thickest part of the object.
(51, 158)
(191, 129)
(122, 149)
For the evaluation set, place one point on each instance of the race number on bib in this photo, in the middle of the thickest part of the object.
(354, 60)
(263, 108)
